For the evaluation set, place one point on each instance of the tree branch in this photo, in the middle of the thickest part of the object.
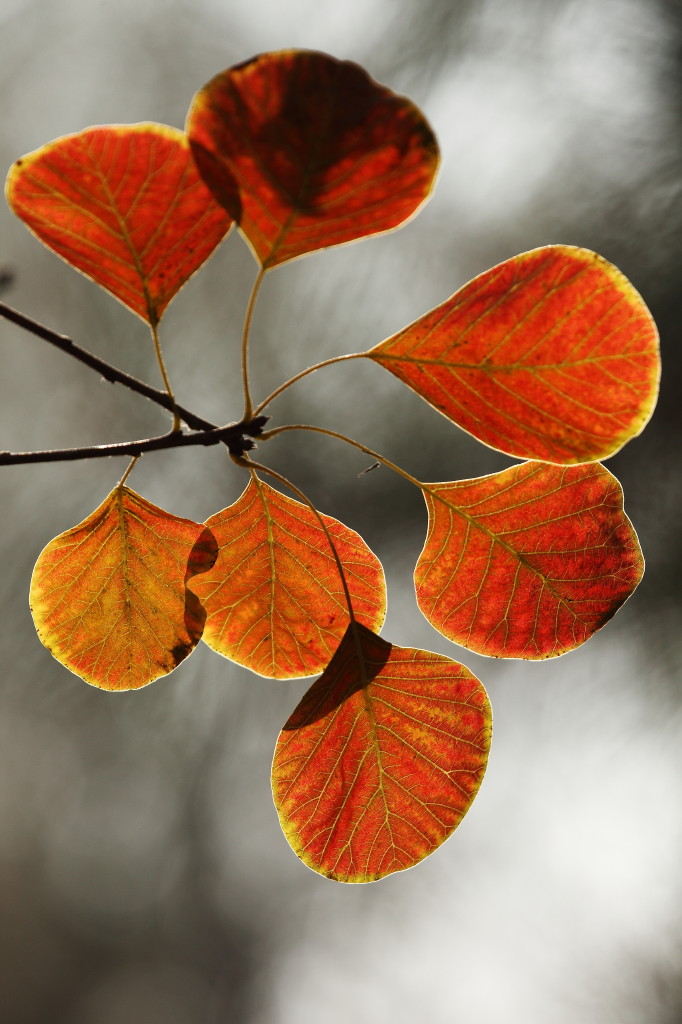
(109, 372)
(232, 435)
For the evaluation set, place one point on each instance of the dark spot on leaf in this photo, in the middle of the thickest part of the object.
(180, 652)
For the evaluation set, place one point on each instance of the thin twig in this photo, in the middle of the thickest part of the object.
(237, 437)
(109, 372)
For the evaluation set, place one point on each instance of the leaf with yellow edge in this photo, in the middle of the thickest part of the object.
(306, 151)
(529, 562)
(110, 599)
(125, 205)
(551, 355)
(381, 759)
(274, 599)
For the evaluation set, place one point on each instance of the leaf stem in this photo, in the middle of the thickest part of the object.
(304, 373)
(267, 434)
(128, 471)
(249, 464)
(248, 408)
(164, 374)
(107, 370)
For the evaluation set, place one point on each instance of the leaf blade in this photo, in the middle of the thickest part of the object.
(125, 206)
(526, 563)
(371, 775)
(109, 597)
(274, 599)
(550, 355)
(306, 151)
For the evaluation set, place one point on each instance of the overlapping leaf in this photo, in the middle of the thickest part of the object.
(381, 759)
(274, 599)
(529, 562)
(306, 151)
(552, 355)
(110, 598)
(125, 205)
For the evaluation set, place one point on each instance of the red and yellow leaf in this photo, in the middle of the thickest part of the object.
(109, 598)
(306, 152)
(274, 599)
(552, 355)
(381, 760)
(125, 205)
(529, 562)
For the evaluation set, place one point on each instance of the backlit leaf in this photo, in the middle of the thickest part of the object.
(306, 151)
(109, 597)
(381, 759)
(552, 355)
(125, 205)
(274, 599)
(529, 562)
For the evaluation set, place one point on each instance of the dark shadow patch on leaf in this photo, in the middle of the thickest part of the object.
(218, 178)
(359, 658)
(202, 557)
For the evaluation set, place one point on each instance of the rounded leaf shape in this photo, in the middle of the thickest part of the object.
(381, 759)
(125, 205)
(110, 599)
(551, 355)
(306, 152)
(529, 562)
(274, 599)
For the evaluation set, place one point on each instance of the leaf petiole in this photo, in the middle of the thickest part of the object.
(107, 370)
(268, 434)
(248, 408)
(253, 466)
(304, 373)
(128, 471)
(164, 374)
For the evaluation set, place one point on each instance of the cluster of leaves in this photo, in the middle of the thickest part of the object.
(550, 357)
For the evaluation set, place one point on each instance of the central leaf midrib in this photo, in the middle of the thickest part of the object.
(496, 539)
(490, 368)
(297, 203)
(125, 236)
(373, 727)
(125, 570)
(271, 552)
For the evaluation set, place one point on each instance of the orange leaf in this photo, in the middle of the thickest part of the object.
(109, 597)
(125, 205)
(274, 600)
(381, 759)
(551, 355)
(529, 562)
(306, 151)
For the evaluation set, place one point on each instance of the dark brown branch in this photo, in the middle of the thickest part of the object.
(236, 436)
(232, 435)
(109, 372)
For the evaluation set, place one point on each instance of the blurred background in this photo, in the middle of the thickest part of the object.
(144, 878)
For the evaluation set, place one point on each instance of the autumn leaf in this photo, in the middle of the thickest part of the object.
(306, 151)
(109, 597)
(125, 205)
(529, 562)
(274, 599)
(551, 355)
(381, 759)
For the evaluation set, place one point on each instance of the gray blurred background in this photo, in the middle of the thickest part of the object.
(143, 875)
